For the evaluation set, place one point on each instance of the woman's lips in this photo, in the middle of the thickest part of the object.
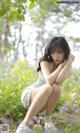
(57, 60)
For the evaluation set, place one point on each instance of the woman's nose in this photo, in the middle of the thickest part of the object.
(56, 56)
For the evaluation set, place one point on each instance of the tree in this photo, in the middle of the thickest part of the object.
(41, 13)
(59, 16)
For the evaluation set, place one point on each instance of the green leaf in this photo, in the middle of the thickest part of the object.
(32, 4)
(24, 1)
(2, 12)
(55, 3)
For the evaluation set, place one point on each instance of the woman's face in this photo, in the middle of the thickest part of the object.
(58, 57)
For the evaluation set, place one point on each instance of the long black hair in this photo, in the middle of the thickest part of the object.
(56, 44)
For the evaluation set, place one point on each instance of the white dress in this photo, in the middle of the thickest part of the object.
(25, 97)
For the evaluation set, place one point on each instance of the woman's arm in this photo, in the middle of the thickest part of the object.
(51, 77)
(66, 71)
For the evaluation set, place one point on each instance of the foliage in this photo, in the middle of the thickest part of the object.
(11, 88)
(13, 82)
(63, 123)
(72, 85)
(46, 13)
(47, 10)
(41, 13)
(70, 99)
(16, 10)
(67, 119)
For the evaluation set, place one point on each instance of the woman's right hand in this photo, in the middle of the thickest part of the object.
(68, 62)
(63, 63)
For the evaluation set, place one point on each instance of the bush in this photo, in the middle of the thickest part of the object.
(70, 99)
(11, 87)
(14, 79)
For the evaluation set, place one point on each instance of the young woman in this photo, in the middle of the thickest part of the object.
(54, 67)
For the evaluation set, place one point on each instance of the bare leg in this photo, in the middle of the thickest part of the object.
(38, 102)
(53, 99)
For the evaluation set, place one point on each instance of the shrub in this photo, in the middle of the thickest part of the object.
(11, 87)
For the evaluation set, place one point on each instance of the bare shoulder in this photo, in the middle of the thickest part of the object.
(45, 69)
(44, 64)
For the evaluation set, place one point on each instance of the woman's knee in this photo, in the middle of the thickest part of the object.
(57, 89)
(47, 89)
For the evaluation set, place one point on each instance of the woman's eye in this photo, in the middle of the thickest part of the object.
(60, 52)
